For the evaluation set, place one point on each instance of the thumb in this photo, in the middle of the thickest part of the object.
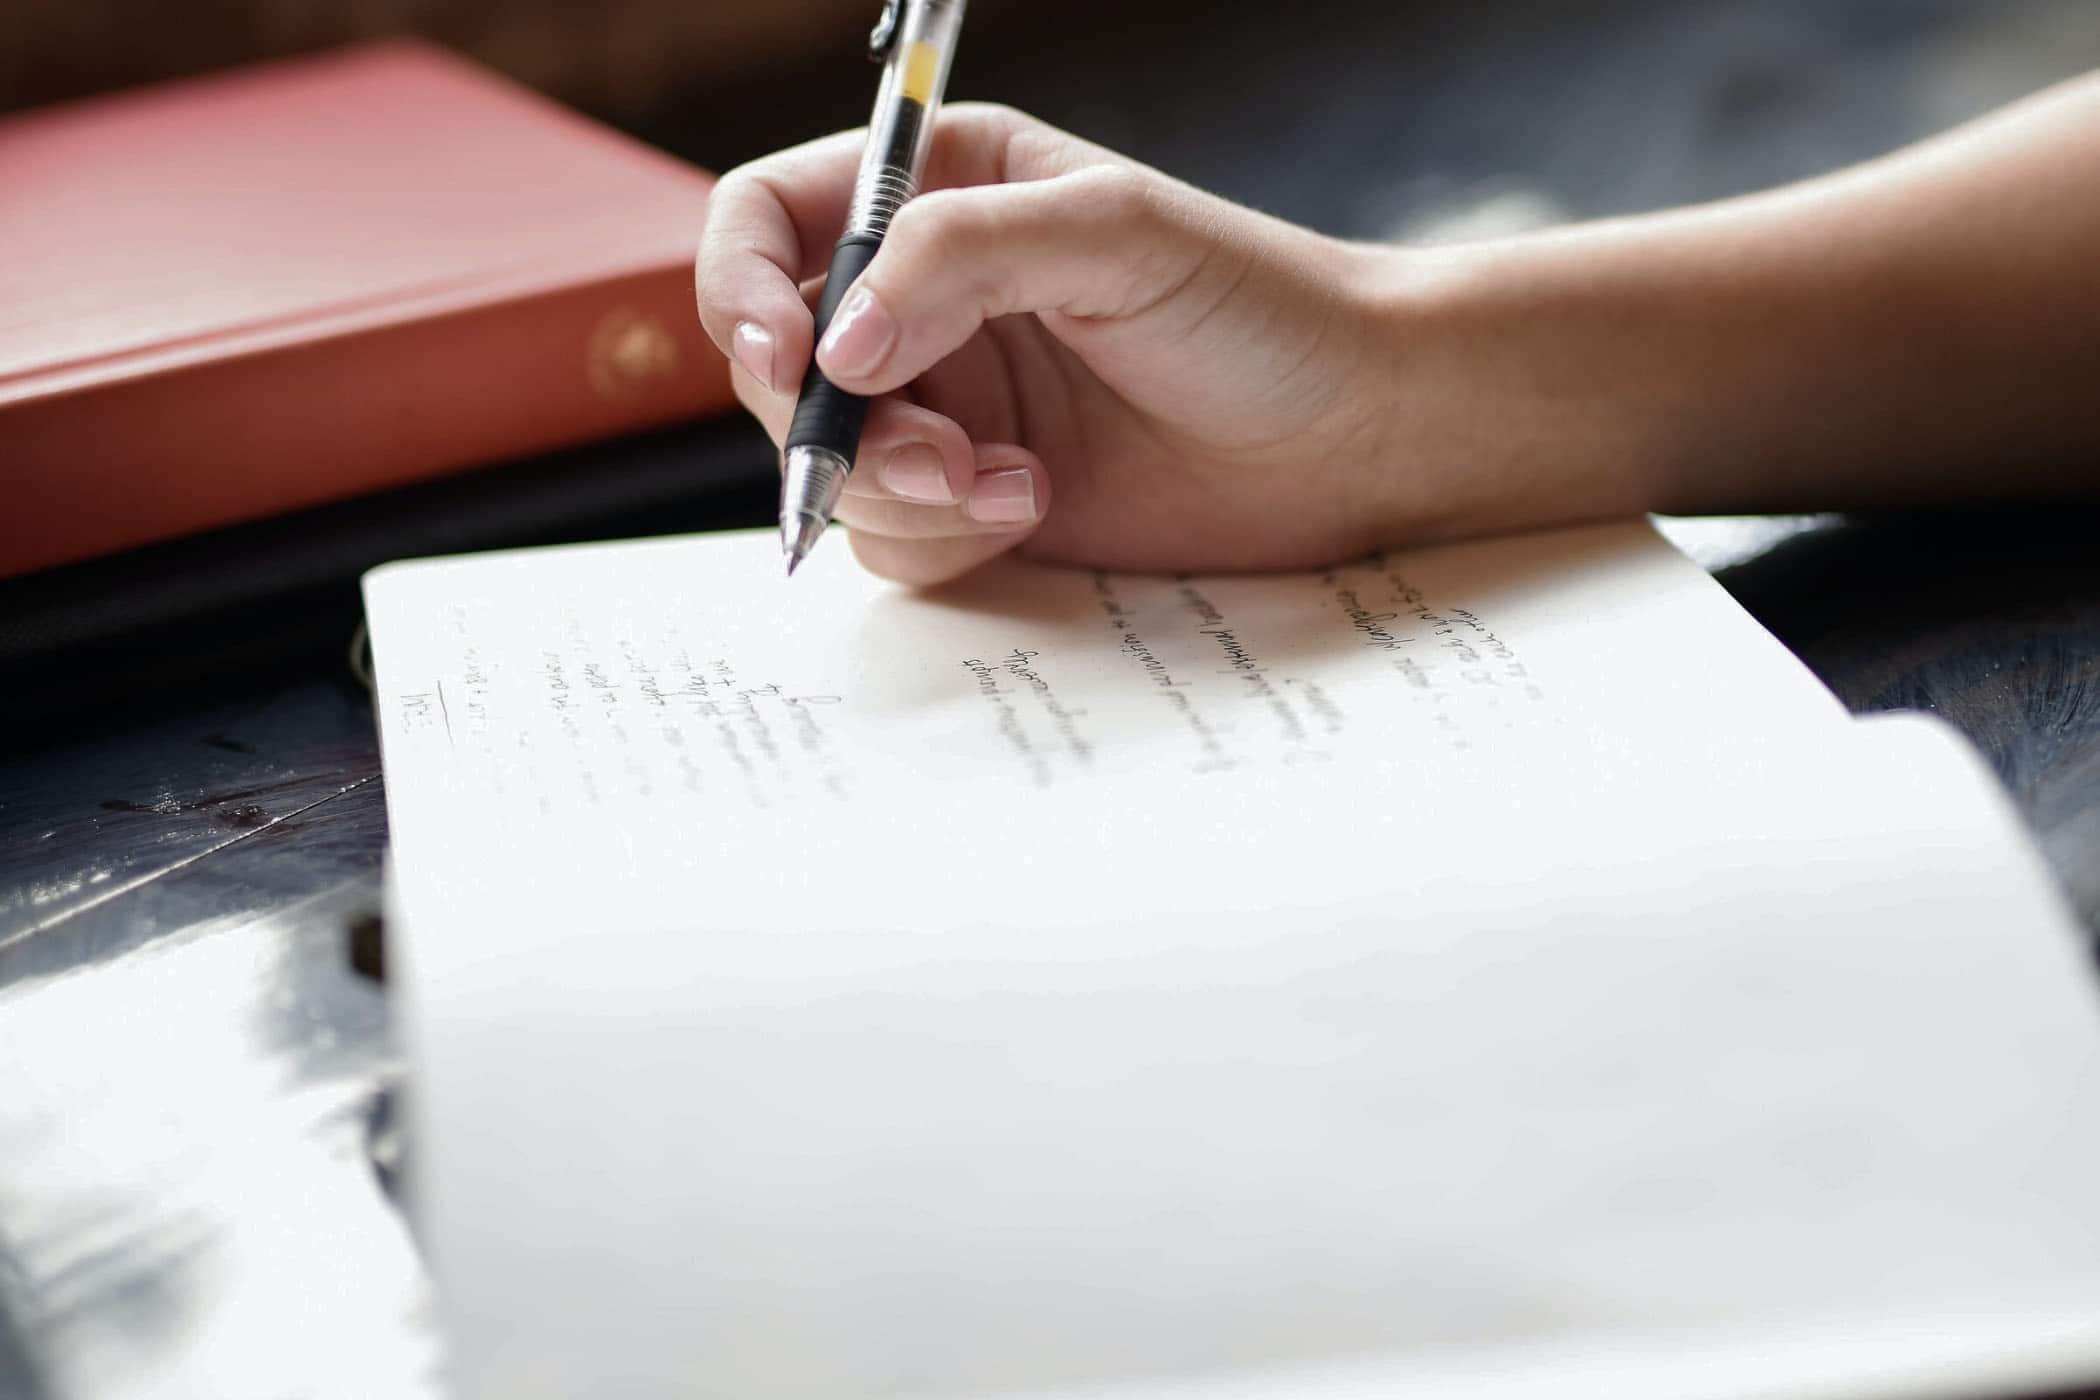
(1105, 242)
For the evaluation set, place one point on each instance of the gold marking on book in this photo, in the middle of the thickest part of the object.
(629, 351)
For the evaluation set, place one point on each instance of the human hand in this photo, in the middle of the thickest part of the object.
(1072, 354)
(1079, 357)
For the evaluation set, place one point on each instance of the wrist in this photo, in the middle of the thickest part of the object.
(1533, 381)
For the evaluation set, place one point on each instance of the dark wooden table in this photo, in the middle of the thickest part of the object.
(194, 1061)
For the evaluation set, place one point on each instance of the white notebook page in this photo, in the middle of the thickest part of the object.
(1453, 971)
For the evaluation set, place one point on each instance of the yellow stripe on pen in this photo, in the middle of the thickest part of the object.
(921, 63)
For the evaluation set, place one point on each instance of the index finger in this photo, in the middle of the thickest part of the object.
(767, 222)
(771, 224)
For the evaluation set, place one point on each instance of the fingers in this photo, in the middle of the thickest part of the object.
(906, 452)
(918, 480)
(923, 545)
(1005, 494)
(1107, 241)
(768, 224)
(923, 503)
(771, 225)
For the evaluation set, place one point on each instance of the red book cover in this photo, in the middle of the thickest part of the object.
(242, 295)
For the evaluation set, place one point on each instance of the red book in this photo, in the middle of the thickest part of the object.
(242, 295)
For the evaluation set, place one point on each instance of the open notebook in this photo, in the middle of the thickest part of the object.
(1492, 970)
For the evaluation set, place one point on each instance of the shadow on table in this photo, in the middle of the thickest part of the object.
(108, 643)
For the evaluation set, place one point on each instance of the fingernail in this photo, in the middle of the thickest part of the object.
(1005, 496)
(860, 336)
(916, 472)
(753, 346)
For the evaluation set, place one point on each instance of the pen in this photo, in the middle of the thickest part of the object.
(914, 41)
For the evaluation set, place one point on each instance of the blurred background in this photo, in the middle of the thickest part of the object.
(1372, 118)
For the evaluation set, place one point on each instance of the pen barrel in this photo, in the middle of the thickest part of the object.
(826, 415)
(915, 68)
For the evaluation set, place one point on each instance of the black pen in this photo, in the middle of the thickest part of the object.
(914, 41)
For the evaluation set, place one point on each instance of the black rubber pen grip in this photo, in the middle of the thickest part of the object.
(826, 415)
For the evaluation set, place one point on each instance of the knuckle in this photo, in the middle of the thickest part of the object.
(934, 237)
(1123, 191)
(995, 121)
(731, 193)
(980, 112)
(1019, 145)
(936, 223)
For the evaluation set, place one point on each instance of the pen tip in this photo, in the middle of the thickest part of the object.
(798, 536)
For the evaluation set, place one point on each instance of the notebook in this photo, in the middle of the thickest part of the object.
(1488, 970)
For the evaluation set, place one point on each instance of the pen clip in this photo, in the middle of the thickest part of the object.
(884, 36)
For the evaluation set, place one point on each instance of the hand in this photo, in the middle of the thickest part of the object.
(1080, 357)
(1070, 354)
